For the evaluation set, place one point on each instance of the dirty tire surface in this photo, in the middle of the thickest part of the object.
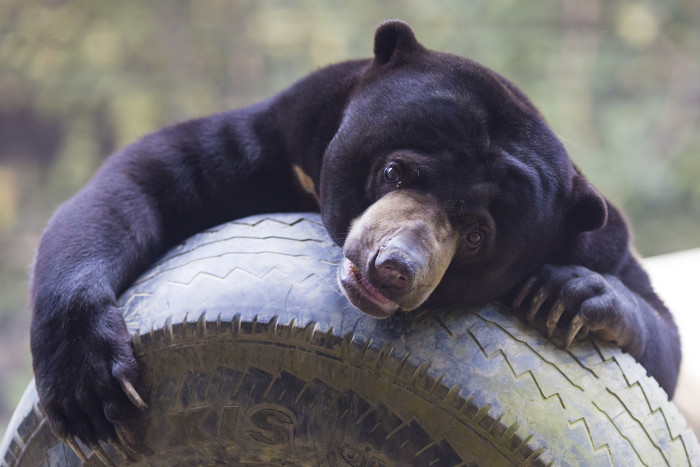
(250, 355)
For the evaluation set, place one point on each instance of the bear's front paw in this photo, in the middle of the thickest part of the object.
(84, 374)
(580, 300)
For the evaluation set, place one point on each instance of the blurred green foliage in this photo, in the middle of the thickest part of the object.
(618, 81)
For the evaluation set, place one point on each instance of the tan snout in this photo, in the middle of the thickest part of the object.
(396, 253)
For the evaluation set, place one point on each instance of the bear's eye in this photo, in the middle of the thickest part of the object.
(393, 173)
(474, 239)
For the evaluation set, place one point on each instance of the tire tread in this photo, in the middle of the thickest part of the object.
(599, 401)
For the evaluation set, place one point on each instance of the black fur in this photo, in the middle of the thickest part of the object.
(483, 150)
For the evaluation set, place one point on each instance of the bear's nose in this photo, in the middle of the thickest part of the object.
(392, 275)
(395, 267)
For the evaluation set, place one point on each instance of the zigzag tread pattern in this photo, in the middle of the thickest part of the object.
(164, 266)
(644, 422)
(208, 275)
(138, 294)
(517, 376)
(636, 383)
(603, 448)
(645, 426)
(242, 227)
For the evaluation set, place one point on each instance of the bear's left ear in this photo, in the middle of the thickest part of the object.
(588, 209)
(393, 38)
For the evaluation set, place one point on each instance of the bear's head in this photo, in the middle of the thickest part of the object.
(443, 175)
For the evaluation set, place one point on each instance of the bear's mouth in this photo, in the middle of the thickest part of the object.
(362, 294)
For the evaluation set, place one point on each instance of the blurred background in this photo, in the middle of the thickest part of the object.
(619, 81)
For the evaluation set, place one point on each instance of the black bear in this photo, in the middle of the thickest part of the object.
(438, 176)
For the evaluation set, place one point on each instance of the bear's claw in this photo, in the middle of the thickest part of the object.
(132, 394)
(101, 454)
(537, 301)
(70, 440)
(524, 292)
(553, 317)
(574, 327)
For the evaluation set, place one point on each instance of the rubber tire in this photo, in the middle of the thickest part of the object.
(250, 355)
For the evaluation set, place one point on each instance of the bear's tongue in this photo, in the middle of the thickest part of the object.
(364, 295)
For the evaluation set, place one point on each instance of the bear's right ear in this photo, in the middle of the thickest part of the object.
(588, 210)
(393, 38)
